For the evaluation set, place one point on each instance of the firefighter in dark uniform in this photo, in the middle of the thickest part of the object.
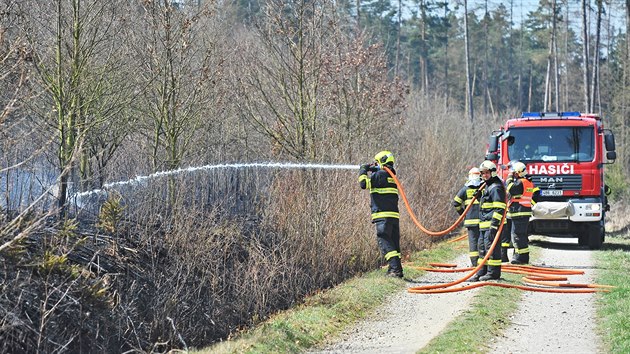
(491, 209)
(523, 196)
(384, 205)
(461, 201)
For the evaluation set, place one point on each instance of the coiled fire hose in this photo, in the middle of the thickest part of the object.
(534, 275)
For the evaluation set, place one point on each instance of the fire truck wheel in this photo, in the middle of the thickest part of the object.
(583, 238)
(596, 236)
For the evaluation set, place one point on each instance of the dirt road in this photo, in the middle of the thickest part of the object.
(552, 323)
(555, 323)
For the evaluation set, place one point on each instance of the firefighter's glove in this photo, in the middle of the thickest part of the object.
(477, 194)
(374, 167)
(363, 169)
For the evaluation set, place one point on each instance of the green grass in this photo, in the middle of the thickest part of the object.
(328, 313)
(613, 309)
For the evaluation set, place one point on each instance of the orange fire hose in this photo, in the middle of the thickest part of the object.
(413, 216)
(535, 275)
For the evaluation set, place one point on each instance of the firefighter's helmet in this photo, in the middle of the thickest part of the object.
(488, 166)
(518, 168)
(384, 158)
(474, 173)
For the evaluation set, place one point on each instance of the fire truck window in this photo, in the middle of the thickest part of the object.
(551, 144)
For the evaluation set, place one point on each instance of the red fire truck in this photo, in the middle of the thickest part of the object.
(565, 153)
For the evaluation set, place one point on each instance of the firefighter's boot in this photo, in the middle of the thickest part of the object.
(494, 273)
(520, 258)
(395, 268)
(504, 255)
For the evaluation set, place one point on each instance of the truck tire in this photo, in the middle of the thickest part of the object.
(583, 238)
(596, 236)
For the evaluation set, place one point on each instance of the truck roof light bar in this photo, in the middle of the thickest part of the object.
(549, 114)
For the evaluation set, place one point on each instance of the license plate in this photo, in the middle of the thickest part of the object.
(551, 192)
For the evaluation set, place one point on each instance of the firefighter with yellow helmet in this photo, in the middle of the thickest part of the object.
(384, 206)
(491, 209)
(461, 201)
(523, 196)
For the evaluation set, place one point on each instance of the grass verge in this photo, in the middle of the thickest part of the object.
(328, 313)
(613, 308)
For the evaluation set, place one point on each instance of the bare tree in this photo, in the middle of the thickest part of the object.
(585, 56)
(75, 76)
(595, 97)
(311, 85)
(177, 67)
(469, 95)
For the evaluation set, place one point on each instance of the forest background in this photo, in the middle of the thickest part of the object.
(96, 92)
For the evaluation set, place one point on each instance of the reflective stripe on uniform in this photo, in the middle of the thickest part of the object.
(521, 250)
(392, 254)
(384, 190)
(386, 214)
(494, 262)
(471, 222)
(484, 224)
(473, 253)
(505, 244)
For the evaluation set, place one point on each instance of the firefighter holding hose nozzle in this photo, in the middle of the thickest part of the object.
(491, 209)
(384, 207)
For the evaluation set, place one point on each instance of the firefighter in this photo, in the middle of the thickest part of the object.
(384, 205)
(523, 195)
(491, 209)
(461, 201)
(506, 233)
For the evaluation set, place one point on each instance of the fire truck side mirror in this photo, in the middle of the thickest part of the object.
(493, 143)
(609, 141)
(492, 156)
(611, 155)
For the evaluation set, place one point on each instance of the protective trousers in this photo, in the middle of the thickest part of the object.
(520, 240)
(388, 237)
(473, 244)
(506, 238)
(493, 266)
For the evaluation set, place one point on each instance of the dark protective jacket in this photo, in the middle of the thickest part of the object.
(462, 200)
(523, 196)
(492, 204)
(383, 193)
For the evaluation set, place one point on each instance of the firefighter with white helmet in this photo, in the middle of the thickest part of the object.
(523, 196)
(491, 209)
(384, 206)
(461, 201)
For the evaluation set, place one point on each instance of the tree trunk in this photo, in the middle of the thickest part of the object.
(595, 80)
(399, 26)
(469, 102)
(585, 61)
(556, 72)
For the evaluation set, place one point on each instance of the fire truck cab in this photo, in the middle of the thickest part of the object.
(565, 154)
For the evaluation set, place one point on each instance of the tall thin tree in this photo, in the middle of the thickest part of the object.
(469, 95)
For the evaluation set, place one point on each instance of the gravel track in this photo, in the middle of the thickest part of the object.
(555, 323)
(543, 323)
(407, 322)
